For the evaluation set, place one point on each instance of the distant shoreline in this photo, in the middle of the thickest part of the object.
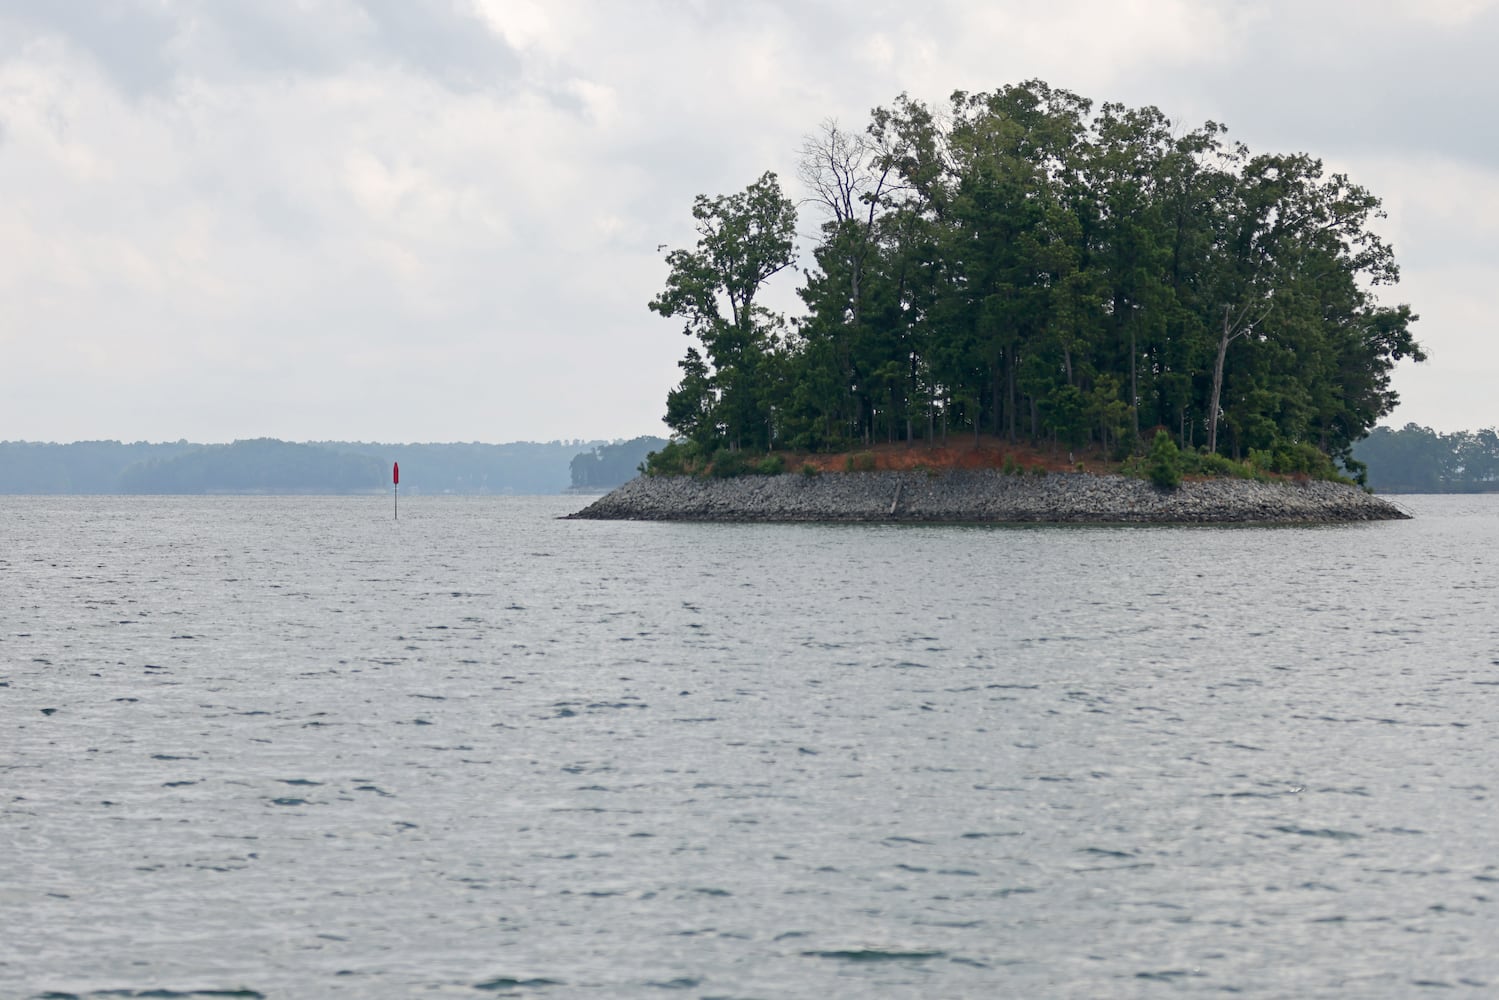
(985, 496)
(271, 467)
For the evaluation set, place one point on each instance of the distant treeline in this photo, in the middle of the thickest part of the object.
(609, 465)
(80, 467)
(266, 465)
(1413, 459)
(263, 465)
(521, 467)
(1418, 459)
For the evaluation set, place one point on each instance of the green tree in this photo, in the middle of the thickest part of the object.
(1020, 264)
(1164, 464)
(743, 240)
(1291, 241)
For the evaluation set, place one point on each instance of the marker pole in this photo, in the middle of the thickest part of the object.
(395, 481)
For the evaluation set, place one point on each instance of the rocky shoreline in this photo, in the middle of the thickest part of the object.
(984, 495)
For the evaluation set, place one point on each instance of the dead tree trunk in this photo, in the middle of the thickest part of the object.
(1234, 327)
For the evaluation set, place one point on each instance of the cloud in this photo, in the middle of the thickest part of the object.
(146, 47)
(442, 40)
(1347, 78)
(130, 39)
(242, 218)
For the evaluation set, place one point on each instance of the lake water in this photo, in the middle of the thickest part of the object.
(276, 747)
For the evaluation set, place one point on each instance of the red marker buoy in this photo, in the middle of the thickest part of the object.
(395, 482)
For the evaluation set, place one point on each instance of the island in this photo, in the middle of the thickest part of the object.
(1181, 329)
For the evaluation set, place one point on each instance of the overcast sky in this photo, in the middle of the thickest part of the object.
(438, 220)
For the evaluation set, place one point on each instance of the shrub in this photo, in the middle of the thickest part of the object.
(1303, 459)
(809, 470)
(1353, 467)
(771, 465)
(1011, 467)
(862, 461)
(1164, 464)
(727, 464)
(1298, 459)
(1213, 464)
(678, 458)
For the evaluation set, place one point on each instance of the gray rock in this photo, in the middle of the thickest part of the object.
(986, 495)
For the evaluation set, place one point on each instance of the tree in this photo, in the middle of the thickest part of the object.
(850, 179)
(1418, 459)
(1164, 464)
(1289, 239)
(1018, 263)
(743, 240)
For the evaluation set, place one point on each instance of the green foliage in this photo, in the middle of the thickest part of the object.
(728, 463)
(1213, 464)
(677, 458)
(1010, 467)
(685, 458)
(862, 461)
(771, 465)
(1164, 464)
(726, 392)
(1208, 464)
(1293, 459)
(809, 470)
(1026, 263)
(1356, 470)
(1297, 458)
(1063, 412)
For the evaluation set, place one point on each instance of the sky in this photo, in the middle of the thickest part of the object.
(439, 220)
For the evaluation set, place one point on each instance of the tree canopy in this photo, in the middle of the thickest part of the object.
(1022, 264)
(607, 465)
(1418, 459)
